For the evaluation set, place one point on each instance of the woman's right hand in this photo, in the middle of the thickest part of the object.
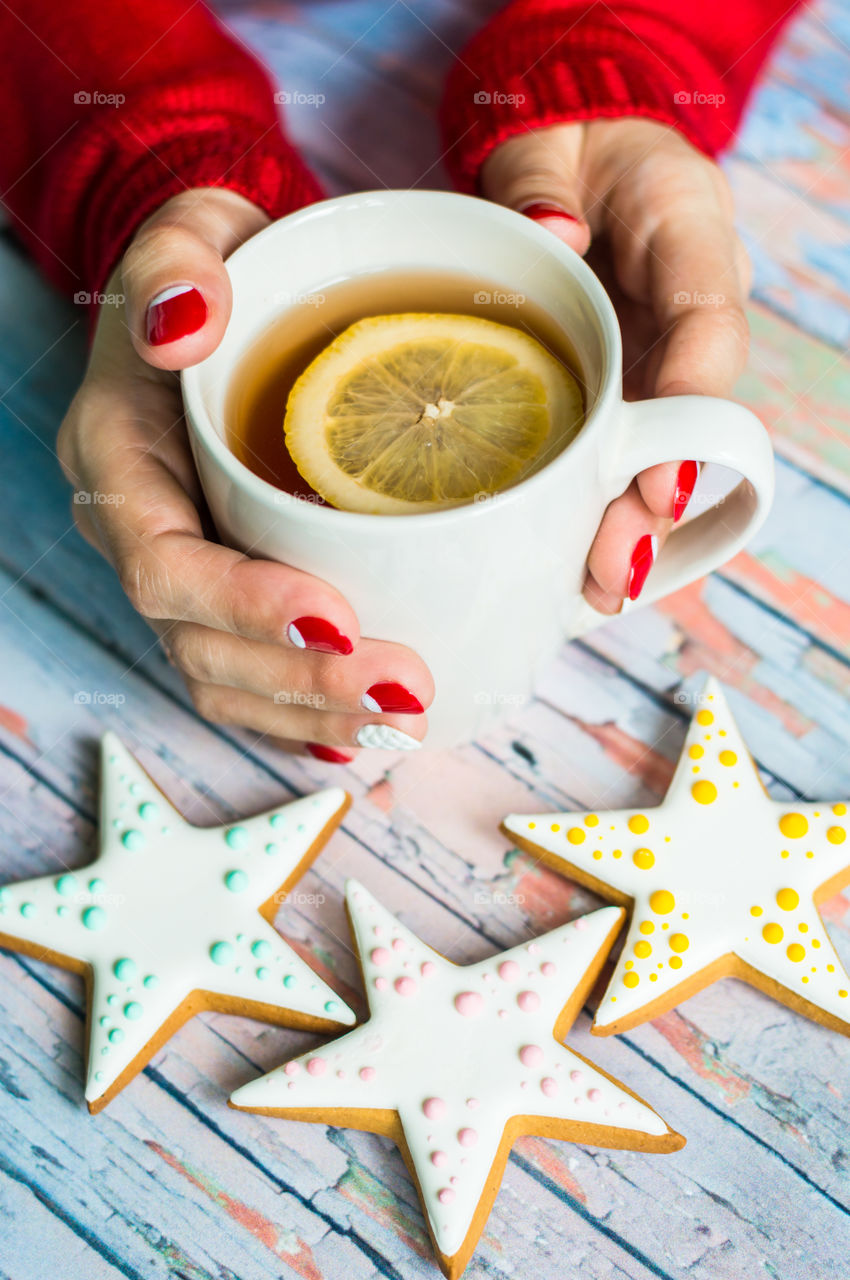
(259, 644)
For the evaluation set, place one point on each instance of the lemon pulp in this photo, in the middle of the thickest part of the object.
(409, 413)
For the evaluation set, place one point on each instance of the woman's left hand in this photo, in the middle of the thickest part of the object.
(656, 220)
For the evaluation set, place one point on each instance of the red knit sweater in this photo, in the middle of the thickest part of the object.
(110, 108)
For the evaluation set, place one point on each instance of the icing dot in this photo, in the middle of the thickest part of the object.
(261, 949)
(133, 840)
(96, 885)
(643, 949)
(839, 810)
(528, 1001)
(803, 927)
(728, 758)
(445, 1195)
(236, 881)
(469, 1004)
(290, 981)
(705, 718)
(366, 1073)
(472, 1103)
(380, 983)
(678, 942)
(647, 927)
(148, 811)
(94, 918)
(591, 820)
(60, 910)
(398, 944)
(28, 911)
(643, 858)
(618, 853)
(292, 1068)
(795, 952)
(704, 792)
(467, 1137)
(426, 968)
(594, 1095)
(555, 828)
(772, 933)
(548, 969)
(788, 899)
(631, 979)
(272, 848)
(434, 1108)
(237, 837)
(675, 962)
(124, 970)
(575, 835)
(379, 956)
(549, 1086)
(696, 752)
(276, 820)
(638, 823)
(105, 1020)
(405, 986)
(793, 825)
(116, 1035)
(66, 885)
(531, 1055)
(575, 1075)
(597, 853)
(756, 911)
(133, 1010)
(221, 953)
(662, 902)
(836, 835)
(262, 972)
(508, 970)
(653, 977)
(316, 1066)
(842, 994)
(439, 1159)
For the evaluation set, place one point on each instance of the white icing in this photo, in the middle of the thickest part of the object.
(420, 1046)
(165, 904)
(718, 860)
(385, 738)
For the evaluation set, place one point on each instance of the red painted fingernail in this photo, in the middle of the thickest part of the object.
(538, 211)
(686, 479)
(643, 558)
(390, 696)
(174, 313)
(317, 634)
(328, 754)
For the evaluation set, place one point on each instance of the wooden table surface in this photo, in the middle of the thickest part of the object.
(168, 1181)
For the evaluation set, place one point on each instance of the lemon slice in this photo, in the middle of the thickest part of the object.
(409, 413)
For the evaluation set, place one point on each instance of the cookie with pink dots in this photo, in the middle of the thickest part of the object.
(171, 919)
(455, 1063)
(721, 880)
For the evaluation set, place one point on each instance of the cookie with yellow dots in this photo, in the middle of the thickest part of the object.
(721, 881)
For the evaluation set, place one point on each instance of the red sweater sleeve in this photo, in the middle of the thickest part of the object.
(110, 108)
(541, 62)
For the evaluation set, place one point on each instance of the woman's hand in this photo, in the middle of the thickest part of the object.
(655, 218)
(259, 644)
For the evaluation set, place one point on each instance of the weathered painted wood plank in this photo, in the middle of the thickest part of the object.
(38, 1243)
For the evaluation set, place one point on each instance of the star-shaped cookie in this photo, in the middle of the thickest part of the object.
(171, 919)
(455, 1063)
(721, 879)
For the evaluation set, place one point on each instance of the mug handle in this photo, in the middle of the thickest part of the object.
(712, 430)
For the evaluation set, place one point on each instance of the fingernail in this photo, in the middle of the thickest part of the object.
(538, 211)
(174, 313)
(642, 561)
(390, 696)
(319, 635)
(328, 754)
(686, 479)
(385, 738)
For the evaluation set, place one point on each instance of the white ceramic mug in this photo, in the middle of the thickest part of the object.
(487, 592)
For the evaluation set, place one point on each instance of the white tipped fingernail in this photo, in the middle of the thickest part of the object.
(370, 704)
(385, 738)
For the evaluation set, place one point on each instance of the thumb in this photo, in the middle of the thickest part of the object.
(177, 291)
(537, 174)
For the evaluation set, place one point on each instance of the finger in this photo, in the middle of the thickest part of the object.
(226, 706)
(538, 173)
(177, 291)
(379, 677)
(151, 531)
(625, 548)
